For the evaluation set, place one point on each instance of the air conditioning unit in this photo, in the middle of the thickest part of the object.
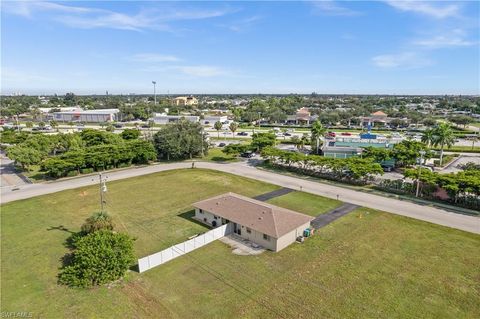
(300, 239)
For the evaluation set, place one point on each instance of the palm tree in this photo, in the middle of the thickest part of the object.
(218, 126)
(443, 136)
(233, 127)
(304, 140)
(318, 131)
(428, 137)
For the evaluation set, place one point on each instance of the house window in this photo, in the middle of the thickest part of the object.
(200, 211)
(215, 217)
(249, 230)
(266, 237)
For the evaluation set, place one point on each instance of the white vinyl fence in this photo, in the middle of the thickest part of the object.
(175, 251)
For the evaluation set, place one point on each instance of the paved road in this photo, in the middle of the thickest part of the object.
(8, 175)
(395, 206)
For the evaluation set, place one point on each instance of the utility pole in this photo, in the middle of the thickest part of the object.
(419, 171)
(103, 189)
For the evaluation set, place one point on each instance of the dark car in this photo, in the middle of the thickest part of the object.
(248, 154)
(242, 133)
(221, 145)
(145, 126)
(287, 134)
(331, 134)
(118, 125)
(387, 168)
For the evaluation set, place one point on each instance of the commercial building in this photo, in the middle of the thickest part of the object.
(267, 225)
(185, 100)
(161, 118)
(301, 117)
(211, 119)
(90, 116)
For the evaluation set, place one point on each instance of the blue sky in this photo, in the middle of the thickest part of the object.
(378, 47)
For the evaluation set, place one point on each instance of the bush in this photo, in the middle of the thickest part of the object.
(87, 170)
(72, 173)
(99, 258)
(98, 221)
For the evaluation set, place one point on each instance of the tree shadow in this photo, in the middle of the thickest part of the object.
(61, 227)
(222, 159)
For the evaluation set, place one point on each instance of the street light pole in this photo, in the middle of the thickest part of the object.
(154, 92)
(419, 171)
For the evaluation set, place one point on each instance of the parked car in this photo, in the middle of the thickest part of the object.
(387, 168)
(248, 154)
(118, 125)
(242, 133)
(221, 145)
(145, 126)
(331, 134)
(347, 134)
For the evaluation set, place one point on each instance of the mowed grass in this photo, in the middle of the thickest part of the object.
(306, 203)
(366, 264)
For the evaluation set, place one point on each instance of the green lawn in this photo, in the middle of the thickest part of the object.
(367, 264)
(306, 203)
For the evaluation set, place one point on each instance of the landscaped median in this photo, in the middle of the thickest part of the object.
(366, 264)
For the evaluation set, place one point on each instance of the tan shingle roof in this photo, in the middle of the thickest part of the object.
(263, 217)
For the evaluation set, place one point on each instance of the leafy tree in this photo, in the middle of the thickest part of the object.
(54, 124)
(24, 155)
(461, 120)
(180, 140)
(429, 121)
(98, 221)
(443, 136)
(218, 126)
(56, 167)
(110, 128)
(29, 124)
(236, 149)
(262, 140)
(130, 134)
(377, 154)
(407, 152)
(233, 127)
(98, 258)
(142, 151)
(318, 131)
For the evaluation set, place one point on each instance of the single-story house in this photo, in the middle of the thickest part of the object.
(267, 225)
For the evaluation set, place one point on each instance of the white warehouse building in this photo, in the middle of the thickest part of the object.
(89, 116)
(161, 118)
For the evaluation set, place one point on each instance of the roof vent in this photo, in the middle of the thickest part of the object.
(216, 203)
(260, 218)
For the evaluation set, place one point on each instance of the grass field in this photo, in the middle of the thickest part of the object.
(367, 264)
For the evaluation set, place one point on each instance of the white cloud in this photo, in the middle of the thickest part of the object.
(88, 18)
(456, 38)
(244, 24)
(426, 8)
(408, 60)
(330, 7)
(154, 57)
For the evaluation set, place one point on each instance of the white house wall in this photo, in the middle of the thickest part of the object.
(290, 237)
